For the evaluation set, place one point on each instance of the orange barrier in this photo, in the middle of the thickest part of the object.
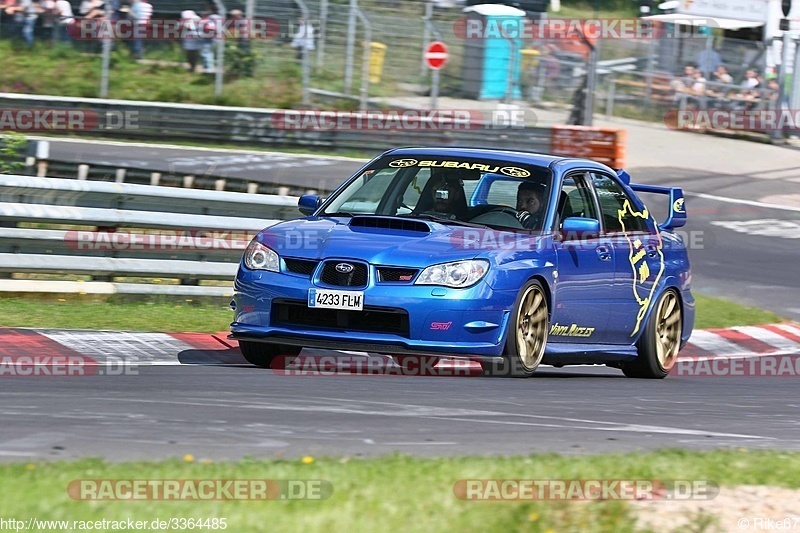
(604, 145)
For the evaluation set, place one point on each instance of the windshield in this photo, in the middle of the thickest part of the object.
(457, 190)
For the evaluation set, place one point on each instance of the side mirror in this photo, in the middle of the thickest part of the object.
(580, 228)
(309, 203)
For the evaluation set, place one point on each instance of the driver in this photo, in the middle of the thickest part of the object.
(530, 204)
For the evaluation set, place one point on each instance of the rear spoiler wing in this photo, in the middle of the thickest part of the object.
(677, 207)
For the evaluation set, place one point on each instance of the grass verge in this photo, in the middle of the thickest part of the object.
(395, 493)
(212, 316)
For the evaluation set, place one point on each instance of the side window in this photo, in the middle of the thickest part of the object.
(503, 192)
(619, 212)
(575, 199)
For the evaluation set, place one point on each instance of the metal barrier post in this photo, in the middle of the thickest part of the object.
(364, 95)
(649, 79)
(105, 62)
(426, 36)
(305, 54)
(222, 12)
(512, 60)
(430, 27)
(323, 30)
(612, 87)
(591, 85)
(349, 51)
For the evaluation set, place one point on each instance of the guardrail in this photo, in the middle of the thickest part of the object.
(243, 125)
(116, 231)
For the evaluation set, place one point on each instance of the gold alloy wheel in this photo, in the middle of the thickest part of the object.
(532, 327)
(668, 330)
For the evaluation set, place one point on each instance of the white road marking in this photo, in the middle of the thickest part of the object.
(769, 337)
(790, 328)
(716, 344)
(134, 347)
(741, 201)
(338, 406)
(770, 227)
(193, 148)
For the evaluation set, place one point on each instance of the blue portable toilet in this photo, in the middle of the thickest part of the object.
(492, 46)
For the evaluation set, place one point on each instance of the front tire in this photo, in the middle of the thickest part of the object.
(526, 337)
(264, 354)
(660, 342)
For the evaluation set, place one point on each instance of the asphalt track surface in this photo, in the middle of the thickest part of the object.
(227, 412)
(233, 410)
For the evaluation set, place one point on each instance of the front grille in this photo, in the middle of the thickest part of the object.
(395, 275)
(370, 320)
(355, 278)
(301, 266)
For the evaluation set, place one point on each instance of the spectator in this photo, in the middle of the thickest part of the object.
(28, 13)
(682, 84)
(64, 19)
(722, 75)
(750, 81)
(209, 27)
(141, 11)
(708, 60)
(48, 15)
(775, 99)
(241, 56)
(697, 90)
(304, 38)
(191, 37)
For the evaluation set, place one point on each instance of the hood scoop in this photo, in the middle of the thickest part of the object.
(391, 223)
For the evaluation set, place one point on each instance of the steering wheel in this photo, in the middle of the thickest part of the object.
(504, 209)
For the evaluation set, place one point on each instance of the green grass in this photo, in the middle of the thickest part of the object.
(211, 316)
(68, 71)
(720, 313)
(92, 313)
(395, 493)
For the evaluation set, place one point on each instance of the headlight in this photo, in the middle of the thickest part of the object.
(458, 274)
(259, 257)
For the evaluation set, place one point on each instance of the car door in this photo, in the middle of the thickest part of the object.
(638, 255)
(585, 281)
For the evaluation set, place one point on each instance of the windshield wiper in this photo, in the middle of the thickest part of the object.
(445, 220)
(339, 214)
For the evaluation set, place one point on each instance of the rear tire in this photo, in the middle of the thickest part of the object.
(265, 354)
(660, 342)
(526, 338)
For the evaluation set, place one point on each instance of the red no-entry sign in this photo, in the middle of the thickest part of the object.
(436, 56)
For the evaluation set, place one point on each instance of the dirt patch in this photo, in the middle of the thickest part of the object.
(742, 508)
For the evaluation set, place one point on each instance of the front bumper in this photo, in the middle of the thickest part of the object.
(467, 322)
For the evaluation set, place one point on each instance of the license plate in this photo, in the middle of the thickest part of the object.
(349, 300)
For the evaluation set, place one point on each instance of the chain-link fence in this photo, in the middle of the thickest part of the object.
(371, 52)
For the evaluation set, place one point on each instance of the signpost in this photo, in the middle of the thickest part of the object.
(435, 58)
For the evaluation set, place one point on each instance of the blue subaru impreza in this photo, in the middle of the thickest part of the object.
(510, 258)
